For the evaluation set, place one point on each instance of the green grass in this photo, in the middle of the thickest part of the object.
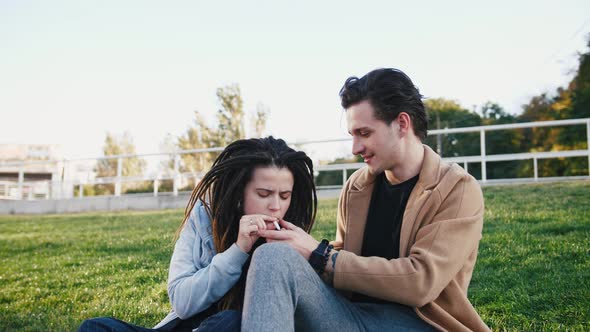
(533, 271)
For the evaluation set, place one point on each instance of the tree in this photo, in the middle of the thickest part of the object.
(258, 120)
(501, 142)
(573, 137)
(198, 137)
(131, 166)
(567, 103)
(332, 178)
(445, 113)
(541, 108)
(579, 106)
(229, 127)
(230, 117)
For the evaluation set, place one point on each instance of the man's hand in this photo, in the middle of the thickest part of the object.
(293, 235)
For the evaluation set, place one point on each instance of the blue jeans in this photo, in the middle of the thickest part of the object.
(228, 320)
(283, 293)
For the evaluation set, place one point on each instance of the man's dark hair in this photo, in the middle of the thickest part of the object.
(390, 92)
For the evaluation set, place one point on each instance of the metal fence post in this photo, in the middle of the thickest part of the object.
(176, 175)
(343, 176)
(156, 185)
(482, 143)
(57, 187)
(588, 143)
(62, 183)
(21, 180)
(119, 172)
(535, 167)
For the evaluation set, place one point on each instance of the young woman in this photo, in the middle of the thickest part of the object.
(251, 185)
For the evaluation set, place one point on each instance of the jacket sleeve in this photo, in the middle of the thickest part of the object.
(443, 244)
(192, 289)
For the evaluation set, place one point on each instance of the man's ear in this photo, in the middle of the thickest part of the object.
(404, 122)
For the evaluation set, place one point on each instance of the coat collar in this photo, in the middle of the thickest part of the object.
(430, 173)
(359, 200)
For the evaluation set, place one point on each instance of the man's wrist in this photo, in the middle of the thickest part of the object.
(328, 275)
(311, 249)
(319, 257)
(331, 266)
(333, 260)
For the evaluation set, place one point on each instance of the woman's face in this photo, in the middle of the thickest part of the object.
(269, 192)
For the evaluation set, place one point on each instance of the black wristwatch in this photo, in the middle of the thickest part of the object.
(319, 257)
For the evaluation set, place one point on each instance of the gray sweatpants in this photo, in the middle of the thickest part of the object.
(283, 293)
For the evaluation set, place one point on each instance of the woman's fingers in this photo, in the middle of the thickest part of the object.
(249, 228)
(246, 223)
(263, 221)
(252, 229)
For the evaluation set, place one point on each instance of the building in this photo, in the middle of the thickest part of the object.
(28, 171)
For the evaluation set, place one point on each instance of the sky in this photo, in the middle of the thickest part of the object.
(71, 71)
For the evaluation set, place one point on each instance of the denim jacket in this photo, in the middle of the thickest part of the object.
(198, 275)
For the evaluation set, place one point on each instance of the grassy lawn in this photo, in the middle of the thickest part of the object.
(533, 271)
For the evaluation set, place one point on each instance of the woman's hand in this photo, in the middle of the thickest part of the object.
(295, 236)
(250, 224)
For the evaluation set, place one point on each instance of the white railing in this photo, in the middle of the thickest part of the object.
(63, 187)
(483, 158)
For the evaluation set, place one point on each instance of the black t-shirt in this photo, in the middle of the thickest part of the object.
(384, 221)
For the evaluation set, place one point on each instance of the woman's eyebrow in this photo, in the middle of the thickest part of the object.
(264, 189)
(272, 191)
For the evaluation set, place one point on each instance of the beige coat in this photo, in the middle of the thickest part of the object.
(440, 233)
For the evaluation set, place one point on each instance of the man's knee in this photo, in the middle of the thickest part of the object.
(274, 254)
(274, 250)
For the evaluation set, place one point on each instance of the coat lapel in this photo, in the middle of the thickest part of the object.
(359, 199)
(429, 177)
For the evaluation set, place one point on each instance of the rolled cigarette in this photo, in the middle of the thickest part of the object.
(277, 225)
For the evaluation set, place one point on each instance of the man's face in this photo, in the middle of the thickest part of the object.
(377, 142)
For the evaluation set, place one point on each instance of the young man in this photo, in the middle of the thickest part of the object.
(407, 236)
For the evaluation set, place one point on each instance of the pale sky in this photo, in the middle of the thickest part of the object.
(72, 70)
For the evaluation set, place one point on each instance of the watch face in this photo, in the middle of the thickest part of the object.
(315, 260)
